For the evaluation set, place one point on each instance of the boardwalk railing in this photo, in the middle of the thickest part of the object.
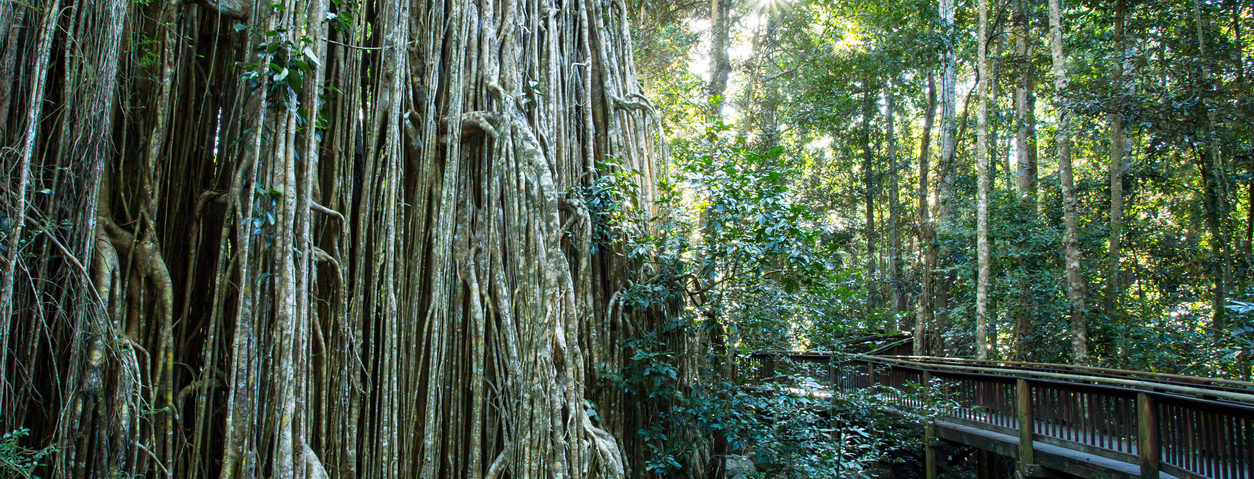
(1180, 425)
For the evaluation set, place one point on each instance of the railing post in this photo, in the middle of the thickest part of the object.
(1023, 412)
(984, 464)
(929, 431)
(1147, 441)
(870, 374)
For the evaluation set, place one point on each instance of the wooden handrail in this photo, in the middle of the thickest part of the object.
(1246, 399)
(1164, 378)
(1108, 372)
(1185, 426)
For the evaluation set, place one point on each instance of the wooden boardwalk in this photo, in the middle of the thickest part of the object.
(1086, 422)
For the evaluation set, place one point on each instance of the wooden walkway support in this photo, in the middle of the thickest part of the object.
(1087, 422)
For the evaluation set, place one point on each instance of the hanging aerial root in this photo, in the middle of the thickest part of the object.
(400, 285)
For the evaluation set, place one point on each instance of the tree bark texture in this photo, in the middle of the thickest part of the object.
(946, 178)
(1025, 161)
(720, 60)
(982, 346)
(927, 240)
(1115, 125)
(869, 189)
(895, 263)
(1214, 185)
(1025, 114)
(317, 238)
(1071, 218)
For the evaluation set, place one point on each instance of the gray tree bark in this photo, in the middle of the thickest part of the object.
(1025, 159)
(927, 241)
(1117, 149)
(1071, 219)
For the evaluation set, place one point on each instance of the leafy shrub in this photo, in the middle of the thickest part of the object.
(747, 263)
(17, 460)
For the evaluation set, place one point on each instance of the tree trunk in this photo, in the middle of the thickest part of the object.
(869, 188)
(1214, 188)
(946, 174)
(1025, 164)
(1025, 114)
(927, 241)
(1246, 249)
(1115, 123)
(1071, 219)
(762, 93)
(982, 346)
(1215, 210)
(894, 205)
(16, 212)
(720, 62)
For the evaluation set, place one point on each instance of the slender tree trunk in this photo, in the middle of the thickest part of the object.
(1246, 253)
(894, 206)
(1025, 114)
(995, 56)
(868, 200)
(1115, 124)
(1215, 206)
(1071, 219)
(720, 62)
(927, 243)
(982, 346)
(17, 211)
(946, 174)
(1214, 186)
(1246, 249)
(1025, 164)
(762, 93)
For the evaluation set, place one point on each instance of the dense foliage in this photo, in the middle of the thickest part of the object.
(839, 93)
(755, 269)
(839, 191)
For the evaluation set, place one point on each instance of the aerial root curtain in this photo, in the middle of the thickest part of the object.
(324, 238)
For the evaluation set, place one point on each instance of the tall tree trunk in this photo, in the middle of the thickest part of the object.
(1246, 249)
(927, 241)
(1215, 205)
(946, 174)
(1025, 163)
(1115, 124)
(720, 62)
(761, 93)
(894, 206)
(16, 212)
(1071, 218)
(869, 190)
(1246, 252)
(995, 56)
(1214, 189)
(982, 346)
(1025, 113)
